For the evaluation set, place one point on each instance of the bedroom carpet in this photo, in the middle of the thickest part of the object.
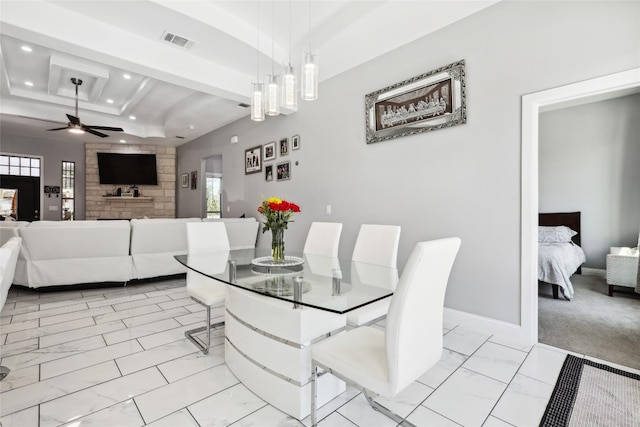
(593, 394)
(593, 323)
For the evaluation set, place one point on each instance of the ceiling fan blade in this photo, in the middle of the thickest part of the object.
(73, 120)
(42, 120)
(93, 132)
(66, 127)
(104, 128)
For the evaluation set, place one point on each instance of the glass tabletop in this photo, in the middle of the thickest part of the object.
(329, 284)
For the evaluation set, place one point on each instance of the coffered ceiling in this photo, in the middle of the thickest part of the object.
(119, 50)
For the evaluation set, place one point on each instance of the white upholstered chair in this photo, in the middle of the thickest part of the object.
(376, 245)
(623, 269)
(205, 238)
(323, 239)
(8, 260)
(386, 362)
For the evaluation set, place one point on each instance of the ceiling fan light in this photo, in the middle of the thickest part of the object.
(76, 130)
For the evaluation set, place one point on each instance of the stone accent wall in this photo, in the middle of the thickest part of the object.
(163, 203)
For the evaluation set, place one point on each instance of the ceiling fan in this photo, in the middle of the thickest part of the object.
(76, 126)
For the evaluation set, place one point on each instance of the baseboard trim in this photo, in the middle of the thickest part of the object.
(504, 330)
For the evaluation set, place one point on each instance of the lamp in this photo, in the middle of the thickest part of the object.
(257, 88)
(309, 80)
(273, 93)
(289, 95)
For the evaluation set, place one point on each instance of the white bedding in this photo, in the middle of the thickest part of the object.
(557, 262)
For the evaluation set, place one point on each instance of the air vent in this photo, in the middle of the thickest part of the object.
(177, 40)
(243, 105)
(179, 137)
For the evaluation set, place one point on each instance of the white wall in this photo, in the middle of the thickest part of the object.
(54, 153)
(590, 162)
(462, 181)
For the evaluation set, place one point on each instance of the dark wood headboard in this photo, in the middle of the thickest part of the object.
(570, 219)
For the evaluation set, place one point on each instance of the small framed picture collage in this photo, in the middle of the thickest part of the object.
(277, 150)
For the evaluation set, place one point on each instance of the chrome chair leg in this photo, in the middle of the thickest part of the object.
(386, 411)
(314, 394)
(191, 334)
(4, 371)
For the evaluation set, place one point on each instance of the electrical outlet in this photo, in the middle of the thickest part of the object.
(327, 209)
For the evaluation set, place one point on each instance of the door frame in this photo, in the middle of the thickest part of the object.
(41, 177)
(532, 105)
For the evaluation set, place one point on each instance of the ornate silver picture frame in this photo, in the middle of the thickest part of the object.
(430, 101)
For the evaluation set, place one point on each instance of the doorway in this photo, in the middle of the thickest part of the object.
(614, 85)
(28, 203)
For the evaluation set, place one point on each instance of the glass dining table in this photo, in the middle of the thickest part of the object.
(275, 312)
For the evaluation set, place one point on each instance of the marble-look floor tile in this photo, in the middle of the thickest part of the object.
(406, 401)
(11, 328)
(155, 356)
(37, 332)
(154, 317)
(88, 358)
(195, 308)
(19, 347)
(123, 414)
(335, 420)
(448, 363)
(524, 402)
(466, 397)
(217, 315)
(161, 402)
(18, 378)
(464, 340)
(325, 411)
(226, 407)
(126, 314)
(8, 313)
(507, 342)
(25, 418)
(359, 412)
(48, 313)
(116, 300)
(495, 422)
(4, 320)
(140, 303)
(140, 331)
(192, 363)
(77, 334)
(99, 397)
(543, 364)
(172, 292)
(36, 357)
(182, 302)
(182, 294)
(426, 417)
(268, 417)
(496, 361)
(181, 418)
(74, 316)
(65, 302)
(44, 391)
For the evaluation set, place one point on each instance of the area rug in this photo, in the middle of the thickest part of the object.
(593, 394)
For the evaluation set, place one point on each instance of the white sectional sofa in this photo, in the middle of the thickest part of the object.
(77, 252)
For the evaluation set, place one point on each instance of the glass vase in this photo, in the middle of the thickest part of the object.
(277, 245)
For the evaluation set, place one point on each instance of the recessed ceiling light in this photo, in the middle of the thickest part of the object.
(26, 48)
(109, 101)
(191, 127)
(123, 140)
(28, 83)
(126, 76)
(132, 117)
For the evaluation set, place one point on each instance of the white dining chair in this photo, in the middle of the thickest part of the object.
(376, 245)
(8, 260)
(206, 238)
(385, 362)
(323, 239)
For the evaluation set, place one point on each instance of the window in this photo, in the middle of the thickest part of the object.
(19, 166)
(68, 190)
(214, 190)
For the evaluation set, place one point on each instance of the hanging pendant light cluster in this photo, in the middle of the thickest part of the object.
(283, 95)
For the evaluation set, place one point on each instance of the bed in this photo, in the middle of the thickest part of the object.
(559, 251)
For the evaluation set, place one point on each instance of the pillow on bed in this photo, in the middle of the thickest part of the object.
(558, 234)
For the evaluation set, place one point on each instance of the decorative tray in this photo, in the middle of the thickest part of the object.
(267, 261)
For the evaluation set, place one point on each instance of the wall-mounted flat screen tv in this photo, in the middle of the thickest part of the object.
(127, 169)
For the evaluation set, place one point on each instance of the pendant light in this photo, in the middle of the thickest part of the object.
(257, 88)
(289, 95)
(309, 80)
(272, 107)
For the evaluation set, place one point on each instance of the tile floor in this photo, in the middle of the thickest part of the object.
(118, 357)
